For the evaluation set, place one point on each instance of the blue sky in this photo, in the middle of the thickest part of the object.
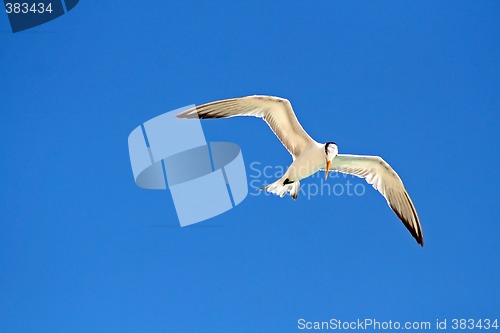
(83, 249)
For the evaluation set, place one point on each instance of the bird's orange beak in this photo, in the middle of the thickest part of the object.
(327, 168)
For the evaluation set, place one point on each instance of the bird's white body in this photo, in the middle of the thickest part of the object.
(310, 156)
(308, 163)
(305, 165)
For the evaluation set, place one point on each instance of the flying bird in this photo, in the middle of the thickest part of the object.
(310, 156)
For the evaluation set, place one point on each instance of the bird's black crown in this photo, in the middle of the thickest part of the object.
(328, 144)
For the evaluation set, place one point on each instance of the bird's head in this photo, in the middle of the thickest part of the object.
(331, 150)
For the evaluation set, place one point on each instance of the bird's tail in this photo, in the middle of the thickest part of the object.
(282, 187)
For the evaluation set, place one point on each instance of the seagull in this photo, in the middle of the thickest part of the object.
(310, 156)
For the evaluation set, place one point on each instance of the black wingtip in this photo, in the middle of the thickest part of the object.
(416, 233)
(418, 237)
(182, 115)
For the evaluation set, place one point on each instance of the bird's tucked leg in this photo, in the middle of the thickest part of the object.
(282, 187)
(294, 192)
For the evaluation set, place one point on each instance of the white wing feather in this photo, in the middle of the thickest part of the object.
(276, 112)
(379, 173)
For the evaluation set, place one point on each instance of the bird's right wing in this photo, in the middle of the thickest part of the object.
(277, 113)
(384, 179)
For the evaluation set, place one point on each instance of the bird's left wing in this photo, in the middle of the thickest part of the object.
(379, 173)
(277, 113)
